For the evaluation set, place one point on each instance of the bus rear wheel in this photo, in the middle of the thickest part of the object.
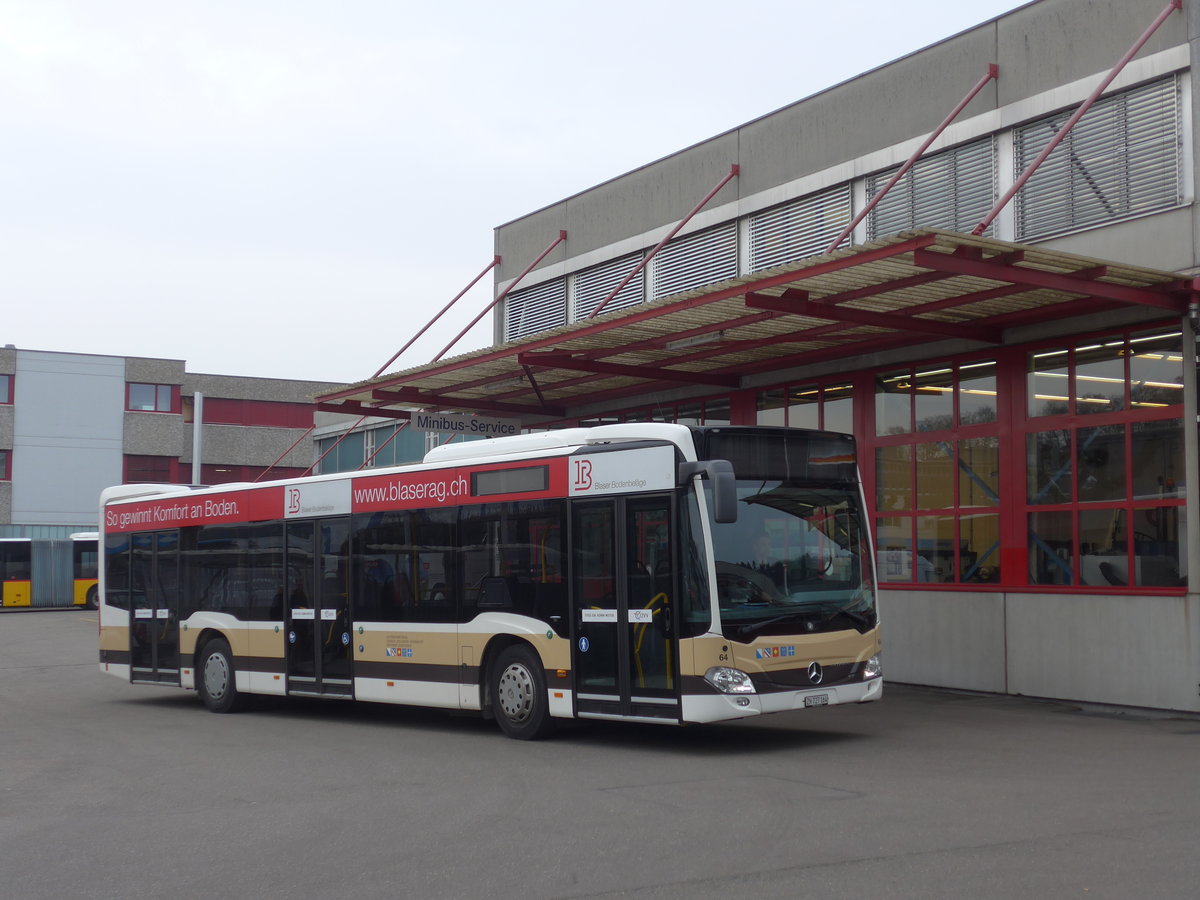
(518, 694)
(93, 598)
(216, 681)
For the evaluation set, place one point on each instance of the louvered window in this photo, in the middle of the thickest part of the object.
(1121, 160)
(953, 189)
(800, 228)
(593, 285)
(535, 309)
(696, 260)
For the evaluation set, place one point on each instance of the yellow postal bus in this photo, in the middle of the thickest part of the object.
(644, 571)
(49, 573)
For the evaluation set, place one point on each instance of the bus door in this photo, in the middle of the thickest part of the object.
(624, 646)
(318, 608)
(154, 607)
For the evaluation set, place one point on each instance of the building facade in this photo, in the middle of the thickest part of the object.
(1021, 384)
(72, 424)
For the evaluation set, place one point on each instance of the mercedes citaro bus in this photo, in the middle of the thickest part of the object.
(643, 571)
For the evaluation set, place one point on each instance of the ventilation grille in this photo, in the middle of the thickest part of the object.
(535, 309)
(696, 260)
(803, 227)
(953, 189)
(594, 284)
(1121, 160)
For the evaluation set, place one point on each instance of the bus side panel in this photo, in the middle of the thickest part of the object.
(266, 659)
(257, 647)
(476, 640)
(82, 586)
(114, 642)
(412, 663)
(16, 593)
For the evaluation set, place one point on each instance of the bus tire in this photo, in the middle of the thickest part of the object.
(216, 681)
(93, 598)
(518, 694)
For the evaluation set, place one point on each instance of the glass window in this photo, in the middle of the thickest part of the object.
(979, 472)
(933, 393)
(6, 389)
(5, 465)
(837, 406)
(1051, 548)
(1100, 377)
(689, 414)
(1156, 369)
(893, 414)
(716, 412)
(1157, 452)
(1159, 553)
(1048, 466)
(804, 408)
(1103, 549)
(1046, 381)
(979, 548)
(935, 475)
(151, 397)
(894, 558)
(1100, 457)
(893, 478)
(977, 393)
(935, 548)
(772, 408)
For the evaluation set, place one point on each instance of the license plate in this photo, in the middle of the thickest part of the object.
(816, 700)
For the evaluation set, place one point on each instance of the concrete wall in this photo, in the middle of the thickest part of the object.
(1135, 651)
(67, 435)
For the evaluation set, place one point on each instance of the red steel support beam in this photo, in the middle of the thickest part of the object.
(1054, 281)
(295, 443)
(1078, 114)
(887, 251)
(562, 236)
(733, 173)
(993, 71)
(495, 262)
(791, 302)
(353, 406)
(333, 446)
(567, 361)
(366, 462)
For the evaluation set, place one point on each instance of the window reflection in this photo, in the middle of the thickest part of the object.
(1051, 548)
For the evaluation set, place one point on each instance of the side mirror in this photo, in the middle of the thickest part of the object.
(724, 486)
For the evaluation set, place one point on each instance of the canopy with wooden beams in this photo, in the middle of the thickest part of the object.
(908, 289)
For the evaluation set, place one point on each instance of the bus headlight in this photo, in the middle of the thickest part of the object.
(872, 668)
(729, 681)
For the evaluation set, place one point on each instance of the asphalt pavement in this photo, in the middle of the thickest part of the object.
(110, 790)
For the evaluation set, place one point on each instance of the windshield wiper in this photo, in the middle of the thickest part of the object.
(861, 622)
(751, 628)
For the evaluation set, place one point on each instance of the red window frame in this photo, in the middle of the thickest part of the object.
(928, 566)
(1121, 513)
(172, 391)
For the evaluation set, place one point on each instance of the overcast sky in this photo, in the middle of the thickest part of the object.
(291, 188)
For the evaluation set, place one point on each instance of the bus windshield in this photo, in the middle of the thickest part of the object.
(796, 560)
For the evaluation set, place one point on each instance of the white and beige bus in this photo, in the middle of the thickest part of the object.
(647, 572)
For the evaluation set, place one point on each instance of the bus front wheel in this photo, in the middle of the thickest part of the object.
(215, 679)
(93, 598)
(518, 694)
